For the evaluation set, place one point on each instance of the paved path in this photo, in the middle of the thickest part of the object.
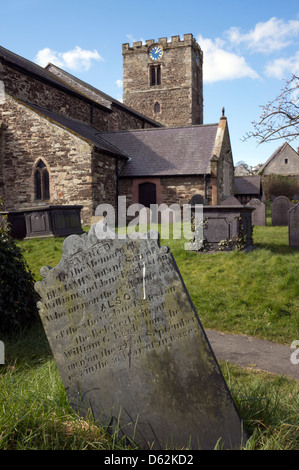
(248, 351)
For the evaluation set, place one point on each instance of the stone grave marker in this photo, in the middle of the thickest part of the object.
(259, 214)
(279, 210)
(197, 199)
(130, 347)
(294, 226)
(231, 201)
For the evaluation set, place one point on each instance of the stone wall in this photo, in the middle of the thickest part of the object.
(32, 90)
(169, 190)
(180, 91)
(28, 137)
(222, 166)
(285, 163)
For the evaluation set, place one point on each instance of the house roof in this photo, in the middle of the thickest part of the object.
(247, 184)
(166, 151)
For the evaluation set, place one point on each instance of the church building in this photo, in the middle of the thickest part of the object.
(64, 142)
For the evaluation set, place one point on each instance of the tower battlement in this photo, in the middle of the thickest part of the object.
(174, 41)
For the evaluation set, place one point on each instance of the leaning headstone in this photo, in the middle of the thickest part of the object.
(259, 213)
(231, 201)
(294, 226)
(130, 347)
(279, 210)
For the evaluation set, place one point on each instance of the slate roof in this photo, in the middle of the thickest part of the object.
(247, 185)
(166, 151)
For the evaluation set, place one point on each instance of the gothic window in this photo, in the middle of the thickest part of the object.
(41, 181)
(157, 107)
(155, 75)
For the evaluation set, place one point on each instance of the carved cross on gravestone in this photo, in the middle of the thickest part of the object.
(130, 347)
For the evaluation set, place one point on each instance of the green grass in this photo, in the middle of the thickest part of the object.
(36, 415)
(254, 293)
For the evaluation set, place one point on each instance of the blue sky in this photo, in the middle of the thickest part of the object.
(249, 48)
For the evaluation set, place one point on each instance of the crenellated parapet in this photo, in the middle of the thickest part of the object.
(173, 41)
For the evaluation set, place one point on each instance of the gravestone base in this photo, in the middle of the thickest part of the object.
(130, 347)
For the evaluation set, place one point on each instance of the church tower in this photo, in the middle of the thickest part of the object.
(163, 80)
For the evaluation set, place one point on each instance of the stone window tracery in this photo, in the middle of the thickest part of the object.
(155, 75)
(41, 181)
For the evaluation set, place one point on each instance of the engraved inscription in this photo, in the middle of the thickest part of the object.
(112, 304)
(129, 346)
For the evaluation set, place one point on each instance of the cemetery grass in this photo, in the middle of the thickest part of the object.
(36, 415)
(254, 293)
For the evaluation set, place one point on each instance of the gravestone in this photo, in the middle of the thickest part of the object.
(259, 214)
(225, 228)
(231, 201)
(197, 199)
(279, 210)
(130, 347)
(294, 226)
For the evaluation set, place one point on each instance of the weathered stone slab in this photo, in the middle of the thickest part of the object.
(226, 228)
(279, 210)
(130, 347)
(45, 221)
(294, 226)
(259, 214)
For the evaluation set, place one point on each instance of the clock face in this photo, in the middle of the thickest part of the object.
(155, 53)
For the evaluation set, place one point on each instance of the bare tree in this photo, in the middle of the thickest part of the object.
(280, 117)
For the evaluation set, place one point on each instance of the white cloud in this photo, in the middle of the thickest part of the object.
(77, 59)
(272, 35)
(282, 68)
(132, 39)
(119, 83)
(220, 64)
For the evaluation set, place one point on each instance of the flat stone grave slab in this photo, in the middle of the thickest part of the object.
(130, 347)
(294, 226)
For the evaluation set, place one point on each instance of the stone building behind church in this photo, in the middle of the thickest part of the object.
(64, 142)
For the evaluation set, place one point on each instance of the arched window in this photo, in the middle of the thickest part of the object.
(41, 181)
(155, 75)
